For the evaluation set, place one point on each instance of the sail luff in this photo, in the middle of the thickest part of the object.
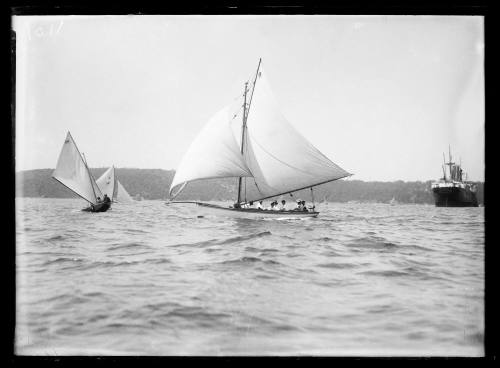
(245, 118)
(253, 90)
(115, 184)
(172, 197)
(243, 128)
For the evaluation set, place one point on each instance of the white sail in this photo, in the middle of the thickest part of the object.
(277, 157)
(107, 183)
(110, 185)
(280, 158)
(122, 195)
(213, 154)
(72, 171)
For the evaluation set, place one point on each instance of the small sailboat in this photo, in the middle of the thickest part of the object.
(110, 185)
(72, 172)
(270, 159)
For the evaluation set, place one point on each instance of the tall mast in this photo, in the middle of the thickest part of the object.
(450, 163)
(244, 125)
(444, 167)
(449, 155)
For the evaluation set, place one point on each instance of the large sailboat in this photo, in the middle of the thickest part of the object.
(72, 172)
(109, 184)
(453, 189)
(266, 154)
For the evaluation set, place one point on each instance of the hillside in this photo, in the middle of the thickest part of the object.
(154, 184)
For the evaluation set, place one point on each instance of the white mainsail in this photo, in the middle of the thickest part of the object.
(275, 155)
(107, 183)
(213, 154)
(279, 157)
(72, 171)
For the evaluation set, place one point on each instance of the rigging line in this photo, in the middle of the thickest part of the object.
(253, 89)
(237, 112)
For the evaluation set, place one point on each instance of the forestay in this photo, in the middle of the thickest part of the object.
(213, 154)
(72, 171)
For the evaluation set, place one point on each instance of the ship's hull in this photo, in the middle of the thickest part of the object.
(101, 207)
(454, 197)
(212, 209)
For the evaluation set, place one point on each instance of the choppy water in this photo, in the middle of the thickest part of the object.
(145, 279)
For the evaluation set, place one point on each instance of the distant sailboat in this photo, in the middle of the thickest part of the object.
(72, 172)
(110, 185)
(271, 158)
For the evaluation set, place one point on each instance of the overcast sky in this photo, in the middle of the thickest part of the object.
(381, 96)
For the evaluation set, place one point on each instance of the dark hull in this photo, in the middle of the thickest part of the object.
(454, 197)
(101, 207)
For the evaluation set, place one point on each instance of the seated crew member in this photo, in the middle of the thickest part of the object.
(259, 205)
(275, 208)
(282, 206)
(298, 207)
(99, 200)
(236, 205)
(106, 199)
(304, 207)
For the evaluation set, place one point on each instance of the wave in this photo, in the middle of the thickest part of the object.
(263, 250)
(62, 260)
(236, 239)
(157, 261)
(336, 265)
(96, 264)
(136, 231)
(128, 246)
(385, 273)
(324, 238)
(44, 253)
(56, 237)
(375, 242)
(248, 260)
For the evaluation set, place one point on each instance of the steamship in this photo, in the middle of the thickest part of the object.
(453, 189)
